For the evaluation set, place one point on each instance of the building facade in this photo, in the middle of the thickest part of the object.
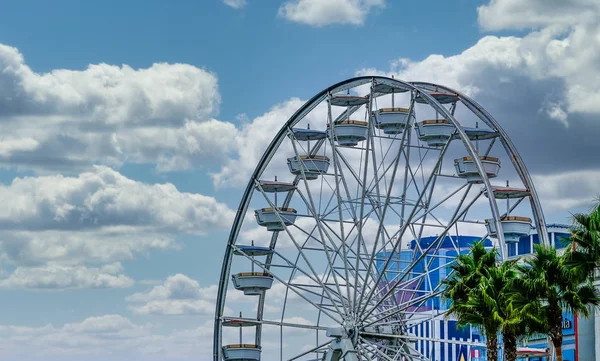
(579, 344)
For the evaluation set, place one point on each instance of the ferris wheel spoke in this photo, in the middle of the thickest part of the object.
(288, 285)
(425, 296)
(387, 199)
(352, 254)
(293, 240)
(403, 311)
(401, 233)
(310, 351)
(423, 254)
(377, 349)
(323, 234)
(337, 172)
(365, 353)
(403, 284)
(311, 237)
(275, 323)
(413, 353)
(345, 259)
(452, 194)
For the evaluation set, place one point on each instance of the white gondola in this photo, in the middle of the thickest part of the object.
(344, 100)
(442, 98)
(480, 134)
(308, 134)
(252, 251)
(507, 193)
(349, 132)
(388, 89)
(252, 283)
(513, 228)
(238, 322)
(241, 352)
(267, 217)
(466, 168)
(435, 132)
(391, 120)
(275, 186)
(312, 165)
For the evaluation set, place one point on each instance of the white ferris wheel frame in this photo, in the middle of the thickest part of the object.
(421, 89)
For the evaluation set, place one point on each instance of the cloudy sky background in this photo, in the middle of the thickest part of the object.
(129, 130)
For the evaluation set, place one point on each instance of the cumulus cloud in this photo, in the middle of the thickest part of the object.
(515, 14)
(538, 87)
(106, 94)
(53, 226)
(252, 140)
(320, 13)
(179, 295)
(105, 337)
(236, 4)
(103, 246)
(541, 87)
(55, 276)
(104, 197)
(564, 191)
(66, 120)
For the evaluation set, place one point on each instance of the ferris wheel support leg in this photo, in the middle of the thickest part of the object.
(341, 349)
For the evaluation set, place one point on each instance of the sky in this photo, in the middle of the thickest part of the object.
(130, 129)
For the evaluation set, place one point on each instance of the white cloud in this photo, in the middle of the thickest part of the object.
(67, 120)
(547, 55)
(236, 4)
(251, 142)
(503, 14)
(104, 197)
(567, 190)
(179, 295)
(104, 337)
(320, 13)
(55, 276)
(106, 94)
(107, 245)
(54, 227)
(102, 324)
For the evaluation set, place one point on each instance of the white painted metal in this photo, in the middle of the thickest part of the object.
(465, 167)
(391, 120)
(349, 132)
(435, 132)
(275, 219)
(311, 166)
(252, 283)
(241, 353)
(514, 228)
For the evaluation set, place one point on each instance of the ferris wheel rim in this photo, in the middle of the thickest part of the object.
(303, 111)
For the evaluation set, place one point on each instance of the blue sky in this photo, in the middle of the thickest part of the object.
(130, 129)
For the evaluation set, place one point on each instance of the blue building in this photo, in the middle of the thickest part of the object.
(437, 327)
(578, 343)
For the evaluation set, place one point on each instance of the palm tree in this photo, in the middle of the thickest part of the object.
(466, 276)
(555, 287)
(584, 252)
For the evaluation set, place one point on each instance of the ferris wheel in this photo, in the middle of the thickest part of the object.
(353, 216)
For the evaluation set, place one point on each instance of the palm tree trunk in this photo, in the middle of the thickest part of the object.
(556, 330)
(510, 346)
(492, 347)
(558, 348)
